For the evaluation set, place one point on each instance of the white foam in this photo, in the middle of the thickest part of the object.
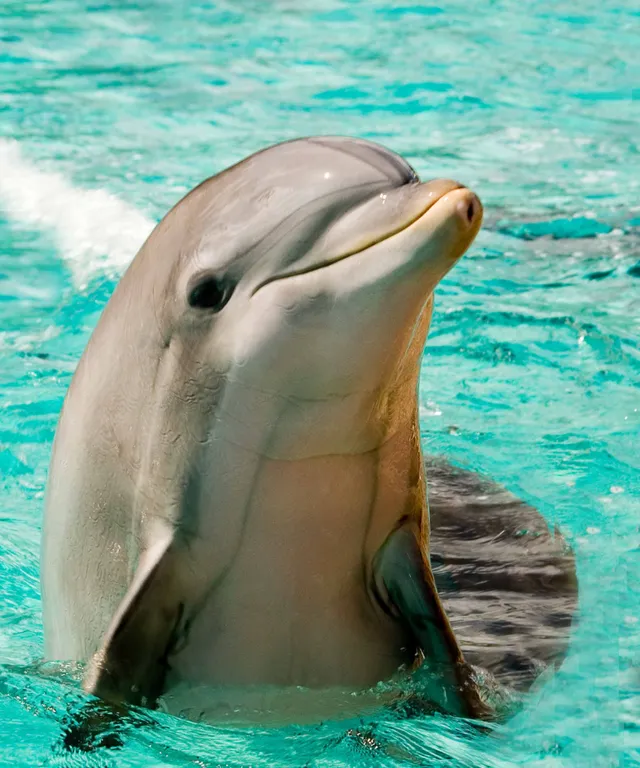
(93, 229)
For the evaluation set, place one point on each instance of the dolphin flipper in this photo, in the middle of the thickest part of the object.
(131, 665)
(402, 570)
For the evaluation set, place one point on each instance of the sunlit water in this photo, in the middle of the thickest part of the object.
(111, 113)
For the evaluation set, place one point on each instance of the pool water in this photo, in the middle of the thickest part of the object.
(112, 111)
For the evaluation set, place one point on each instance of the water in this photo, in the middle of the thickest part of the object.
(111, 112)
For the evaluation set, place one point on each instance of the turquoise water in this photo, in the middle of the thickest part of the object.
(111, 112)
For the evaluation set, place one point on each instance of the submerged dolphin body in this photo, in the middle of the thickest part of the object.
(237, 494)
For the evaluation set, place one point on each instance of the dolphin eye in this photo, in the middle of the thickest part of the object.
(209, 293)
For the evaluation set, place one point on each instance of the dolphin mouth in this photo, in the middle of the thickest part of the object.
(368, 244)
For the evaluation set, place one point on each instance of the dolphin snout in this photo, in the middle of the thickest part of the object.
(467, 205)
(469, 208)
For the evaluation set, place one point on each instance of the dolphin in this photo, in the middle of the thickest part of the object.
(237, 493)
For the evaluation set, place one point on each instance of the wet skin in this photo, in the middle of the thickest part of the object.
(237, 494)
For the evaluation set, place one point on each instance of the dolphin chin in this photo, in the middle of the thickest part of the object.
(237, 494)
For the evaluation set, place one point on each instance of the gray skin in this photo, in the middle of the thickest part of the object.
(236, 494)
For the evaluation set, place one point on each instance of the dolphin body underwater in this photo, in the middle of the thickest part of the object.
(237, 494)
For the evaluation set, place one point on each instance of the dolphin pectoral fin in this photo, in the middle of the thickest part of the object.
(402, 570)
(131, 665)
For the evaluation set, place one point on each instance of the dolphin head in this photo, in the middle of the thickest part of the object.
(280, 309)
(304, 279)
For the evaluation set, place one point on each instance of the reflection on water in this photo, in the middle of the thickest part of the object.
(508, 583)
